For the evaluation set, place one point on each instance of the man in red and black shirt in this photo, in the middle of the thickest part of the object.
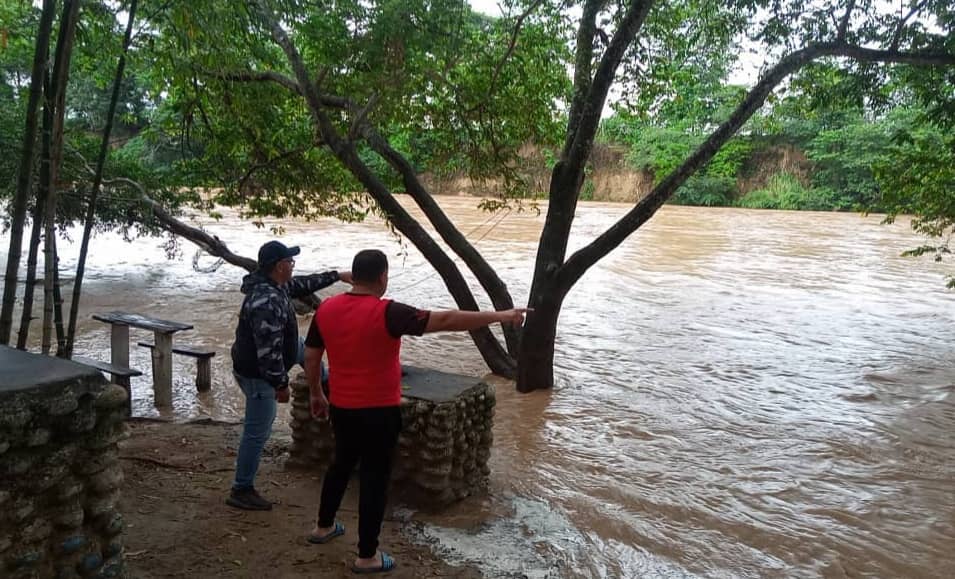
(362, 334)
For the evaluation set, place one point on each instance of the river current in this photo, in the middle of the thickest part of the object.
(739, 393)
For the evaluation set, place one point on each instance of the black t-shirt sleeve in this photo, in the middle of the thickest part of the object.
(404, 320)
(313, 339)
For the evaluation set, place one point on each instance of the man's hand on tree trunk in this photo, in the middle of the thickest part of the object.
(515, 316)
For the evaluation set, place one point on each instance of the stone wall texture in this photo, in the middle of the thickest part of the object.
(443, 449)
(60, 477)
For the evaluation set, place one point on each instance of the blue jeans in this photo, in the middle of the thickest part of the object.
(260, 409)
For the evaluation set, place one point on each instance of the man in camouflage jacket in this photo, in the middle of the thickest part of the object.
(265, 349)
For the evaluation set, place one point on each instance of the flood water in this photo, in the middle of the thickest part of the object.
(739, 393)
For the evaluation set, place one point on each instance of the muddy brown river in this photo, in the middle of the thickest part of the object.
(739, 393)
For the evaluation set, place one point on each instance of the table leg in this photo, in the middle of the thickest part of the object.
(162, 370)
(119, 355)
(204, 374)
(119, 349)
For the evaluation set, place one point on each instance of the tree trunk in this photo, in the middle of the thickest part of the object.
(97, 182)
(535, 364)
(57, 99)
(554, 277)
(536, 360)
(26, 316)
(535, 368)
(29, 286)
(58, 305)
(25, 171)
(48, 268)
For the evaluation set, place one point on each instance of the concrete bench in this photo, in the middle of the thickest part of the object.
(118, 372)
(118, 375)
(203, 362)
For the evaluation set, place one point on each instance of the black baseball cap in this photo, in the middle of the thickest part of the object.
(274, 251)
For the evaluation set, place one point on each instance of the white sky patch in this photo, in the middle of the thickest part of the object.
(489, 7)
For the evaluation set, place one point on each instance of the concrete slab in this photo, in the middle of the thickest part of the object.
(22, 371)
(434, 386)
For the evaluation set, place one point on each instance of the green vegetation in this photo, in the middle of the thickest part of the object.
(783, 191)
(919, 175)
(845, 160)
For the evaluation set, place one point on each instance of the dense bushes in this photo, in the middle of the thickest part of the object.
(843, 152)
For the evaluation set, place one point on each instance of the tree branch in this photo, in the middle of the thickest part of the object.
(582, 66)
(207, 242)
(269, 162)
(258, 76)
(579, 151)
(485, 274)
(587, 256)
(568, 175)
(360, 117)
(210, 243)
(887, 56)
(844, 23)
(492, 352)
(897, 37)
(327, 100)
(513, 43)
(463, 123)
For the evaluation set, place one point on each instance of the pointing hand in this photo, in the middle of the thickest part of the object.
(514, 316)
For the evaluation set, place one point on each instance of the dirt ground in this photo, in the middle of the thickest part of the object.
(178, 525)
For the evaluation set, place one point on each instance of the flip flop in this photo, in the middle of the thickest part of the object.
(338, 531)
(387, 564)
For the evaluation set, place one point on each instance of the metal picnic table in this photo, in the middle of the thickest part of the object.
(163, 330)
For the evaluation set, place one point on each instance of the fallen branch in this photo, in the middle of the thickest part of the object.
(158, 463)
(207, 242)
(198, 421)
(198, 469)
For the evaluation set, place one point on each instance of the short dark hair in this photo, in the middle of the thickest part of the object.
(368, 266)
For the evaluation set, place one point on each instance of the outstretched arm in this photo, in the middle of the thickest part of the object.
(462, 320)
(303, 285)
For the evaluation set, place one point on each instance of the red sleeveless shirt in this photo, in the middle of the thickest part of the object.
(362, 335)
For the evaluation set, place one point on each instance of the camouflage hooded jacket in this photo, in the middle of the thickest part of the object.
(266, 337)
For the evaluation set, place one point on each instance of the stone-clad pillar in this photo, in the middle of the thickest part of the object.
(445, 440)
(60, 475)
